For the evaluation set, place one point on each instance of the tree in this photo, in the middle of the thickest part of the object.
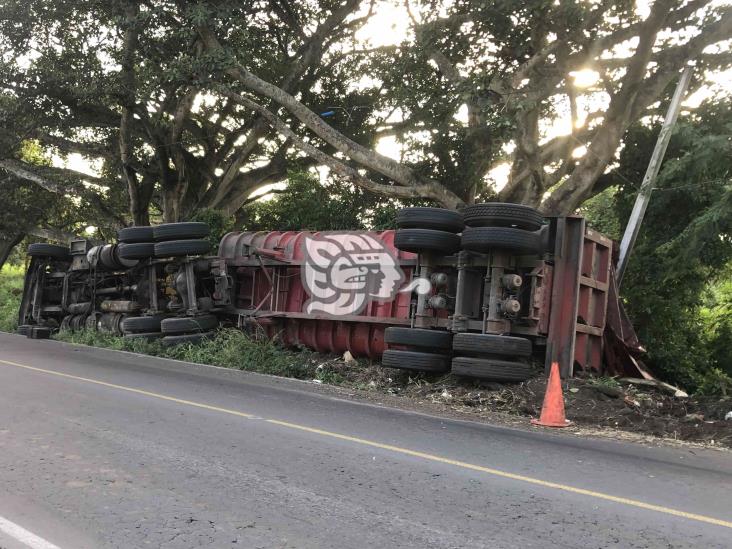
(196, 106)
(510, 66)
(127, 83)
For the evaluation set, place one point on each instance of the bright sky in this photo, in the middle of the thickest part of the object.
(390, 25)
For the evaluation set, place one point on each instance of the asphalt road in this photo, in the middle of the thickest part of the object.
(107, 449)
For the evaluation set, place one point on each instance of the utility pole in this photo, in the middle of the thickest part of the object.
(644, 194)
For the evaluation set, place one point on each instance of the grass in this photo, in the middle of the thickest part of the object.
(11, 289)
(230, 349)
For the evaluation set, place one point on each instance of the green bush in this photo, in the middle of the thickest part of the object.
(11, 291)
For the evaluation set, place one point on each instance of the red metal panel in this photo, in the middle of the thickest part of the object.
(593, 297)
(278, 288)
(568, 236)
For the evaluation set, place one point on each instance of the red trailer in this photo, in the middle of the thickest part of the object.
(480, 292)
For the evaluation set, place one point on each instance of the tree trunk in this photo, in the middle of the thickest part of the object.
(6, 246)
(171, 203)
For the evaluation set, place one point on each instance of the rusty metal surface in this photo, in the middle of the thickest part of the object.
(594, 283)
(622, 349)
(568, 233)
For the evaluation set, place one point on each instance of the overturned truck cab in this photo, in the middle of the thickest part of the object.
(484, 292)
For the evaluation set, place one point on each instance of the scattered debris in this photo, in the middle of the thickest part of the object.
(667, 387)
(624, 406)
(728, 417)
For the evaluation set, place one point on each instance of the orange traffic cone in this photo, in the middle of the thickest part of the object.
(552, 412)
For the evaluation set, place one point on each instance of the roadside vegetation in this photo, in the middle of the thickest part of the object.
(230, 348)
(605, 405)
(11, 288)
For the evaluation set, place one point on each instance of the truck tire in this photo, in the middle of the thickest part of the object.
(502, 214)
(172, 340)
(489, 344)
(124, 263)
(490, 369)
(426, 240)
(141, 324)
(80, 308)
(138, 250)
(189, 324)
(109, 257)
(134, 235)
(23, 329)
(179, 248)
(41, 249)
(439, 219)
(486, 239)
(39, 332)
(415, 361)
(419, 338)
(180, 231)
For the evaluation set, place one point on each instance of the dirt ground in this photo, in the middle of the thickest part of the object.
(606, 406)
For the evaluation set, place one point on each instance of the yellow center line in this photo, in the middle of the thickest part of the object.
(399, 450)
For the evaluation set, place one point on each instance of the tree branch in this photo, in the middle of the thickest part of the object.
(434, 191)
(366, 157)
(28, 172)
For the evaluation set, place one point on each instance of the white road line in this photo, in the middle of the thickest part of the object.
(24, 536)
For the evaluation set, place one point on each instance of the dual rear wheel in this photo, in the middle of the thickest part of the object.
(166, 240)
(484, 227)
(482, 356)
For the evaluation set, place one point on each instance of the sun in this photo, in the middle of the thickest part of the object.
(585, 78)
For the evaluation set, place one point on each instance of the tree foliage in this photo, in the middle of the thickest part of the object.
(129, 83)
(676, 287)
(507, 67)
(308, 204)
(196, 106)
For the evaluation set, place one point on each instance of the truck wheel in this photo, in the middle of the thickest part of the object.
(502, 214)
(489, 344)
(426, 240)
(39, 332)
(171, 340)
(486, 239)
(180, 231)
(415, 361)
(189, 324)
(491, 370)
(178, 248)
(439, 219)
(141, 324)
(419, 338)
(139, 250)
(134, 235)
(48, 250)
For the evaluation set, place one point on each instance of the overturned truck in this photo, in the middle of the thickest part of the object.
(484, 292)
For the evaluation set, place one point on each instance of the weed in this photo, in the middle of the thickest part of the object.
(608, 382)
(11, 291)
(230, 348)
